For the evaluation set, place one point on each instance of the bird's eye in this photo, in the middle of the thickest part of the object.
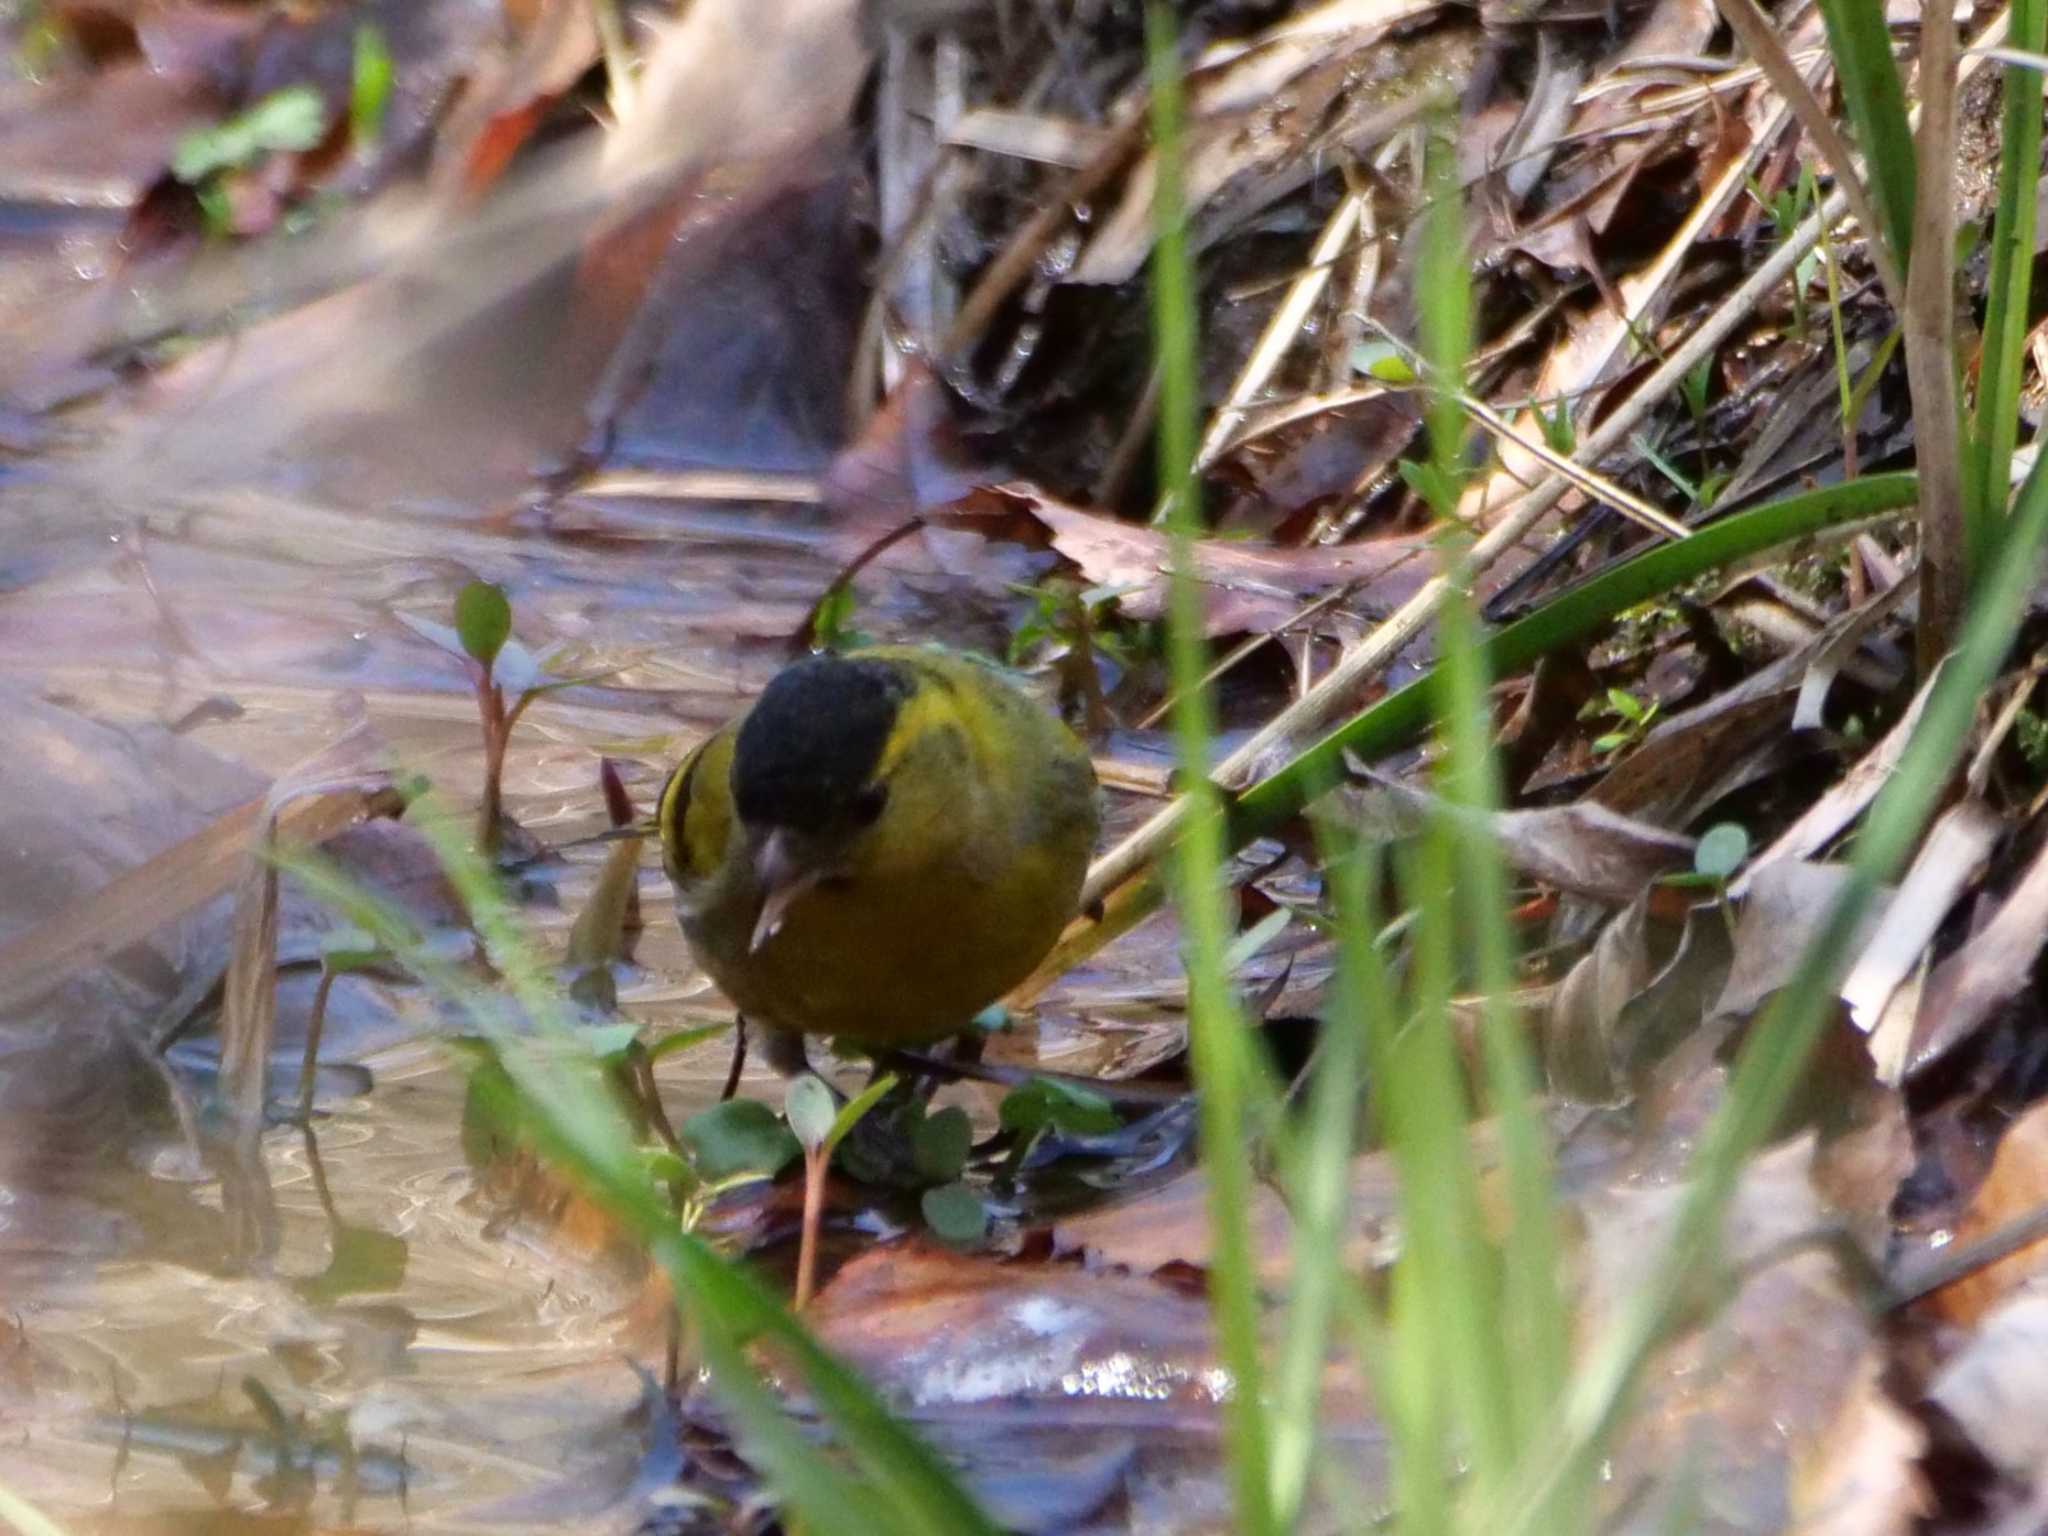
(868, 804)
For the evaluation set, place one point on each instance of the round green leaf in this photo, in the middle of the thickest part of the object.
(955, 1213)
(483, 620)
(811, 1109)
(940, 1144)
(1721, 851)
(740, 1136)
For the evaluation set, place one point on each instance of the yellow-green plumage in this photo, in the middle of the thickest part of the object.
(947, 821)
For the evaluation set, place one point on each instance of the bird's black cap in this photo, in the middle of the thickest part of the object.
(807, 751)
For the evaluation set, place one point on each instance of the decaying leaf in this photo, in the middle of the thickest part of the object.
(1996, 1388)
(2016, 1186)
(1583, 848)
(1861, 1476)
(1992, 966)
(1249, 588)
(1736, 1411)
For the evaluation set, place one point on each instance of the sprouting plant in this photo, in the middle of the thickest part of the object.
(820, 1124)
(1559, 435)
(342, 951)
(1045, 1104)
(1068, 628)
(832, 626)
(369, 89)
(1788, 208)
(2030, 731)
(1632, 715)
(290, 119)
(1716, 857)
(482, 635)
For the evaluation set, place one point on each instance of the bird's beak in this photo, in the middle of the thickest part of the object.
(784, 875)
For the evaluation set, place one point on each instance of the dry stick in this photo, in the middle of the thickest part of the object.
(1928, 320)
(1280, 330)
(1764, 45)
(1321, 707)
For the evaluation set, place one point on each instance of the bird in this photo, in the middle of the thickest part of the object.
(884, 844)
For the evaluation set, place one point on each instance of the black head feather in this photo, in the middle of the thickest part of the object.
(807, 751)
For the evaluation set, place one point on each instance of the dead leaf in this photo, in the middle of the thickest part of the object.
(1583, 848)
(1992, 967)
(2017, 1185)
(1787, 904)
(1950, 860)
(1733, 1410)
(1862, 1476)
(1996, 1388)
(1250, 588)
(1060, 1393)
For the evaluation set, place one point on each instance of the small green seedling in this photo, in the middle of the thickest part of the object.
(291, 119)
(955, 1213)
(482, 636)
(1720, 852)
(369, 89)
(832, 626)
(1559, 434)
(1634, 716)
(820, 1124)
(285, 121)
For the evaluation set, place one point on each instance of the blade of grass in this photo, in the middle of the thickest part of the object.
(1223, 1054)
(2007, 310)
(1319, 1176)
(1861, 44)
(1774, 1056)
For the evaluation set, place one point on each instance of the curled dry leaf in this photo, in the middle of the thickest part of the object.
(1846, 798)
(1585, 848)
(1621, 1009)
(1250, 588)
(1788, 902)
(1950, 860)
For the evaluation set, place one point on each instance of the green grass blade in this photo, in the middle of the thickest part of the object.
(1528, 1337)
(1220, 1047)
(1997, 418)
(1534, 1331)
(1862, 47)
(1319, 1176)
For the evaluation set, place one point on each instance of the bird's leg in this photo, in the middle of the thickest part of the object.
(784, 1051)
(739, 1057)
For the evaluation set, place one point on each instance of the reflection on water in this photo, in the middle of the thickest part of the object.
(412, 1353)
